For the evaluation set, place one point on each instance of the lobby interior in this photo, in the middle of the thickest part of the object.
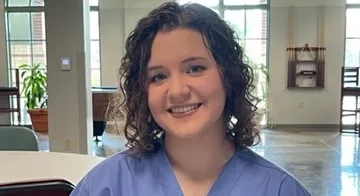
(80, 43)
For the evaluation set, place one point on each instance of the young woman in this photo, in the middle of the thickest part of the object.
(184, 81)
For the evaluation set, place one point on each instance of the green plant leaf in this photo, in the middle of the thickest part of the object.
(35, 85)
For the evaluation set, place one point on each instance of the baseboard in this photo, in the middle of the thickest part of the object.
(323, 127)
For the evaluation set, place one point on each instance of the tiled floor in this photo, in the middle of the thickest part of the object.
(327, 163)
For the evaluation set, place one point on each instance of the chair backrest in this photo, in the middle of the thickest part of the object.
(53, 187)
(18, 139)
(350, 76)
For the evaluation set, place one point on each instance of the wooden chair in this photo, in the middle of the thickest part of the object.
(350, 87)
(9, 92)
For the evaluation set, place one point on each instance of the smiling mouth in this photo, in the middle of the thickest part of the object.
(184, 109)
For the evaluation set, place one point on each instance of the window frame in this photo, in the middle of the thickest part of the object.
(25, 120)
(266, 7)
(221, 8)
(350, 6)
(6, 3)
(30, 9)
(94, 8)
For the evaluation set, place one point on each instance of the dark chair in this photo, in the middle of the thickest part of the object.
(350, 88)
(53, 187)
(98, 127)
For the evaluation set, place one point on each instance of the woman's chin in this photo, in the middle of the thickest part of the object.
(185, 134)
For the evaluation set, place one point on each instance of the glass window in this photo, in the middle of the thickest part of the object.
(352, 47)
(94, 2)
(18, 3)
(255, 50)
(95, 77)
(95, 49)
(352, 43)
(39, 52)
(23, 3)
(95, 54)
(94, 25)
(208, 3)
(20, 53)
(38, 25)
(256, 21)
(19, 26)
(244, 2)
(353, 1)
(353, 23)
(26, 42)
(37, 3)
(352, 53)
(236, 19)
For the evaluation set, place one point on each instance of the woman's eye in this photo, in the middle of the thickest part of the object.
(196, 69)
(158, 78)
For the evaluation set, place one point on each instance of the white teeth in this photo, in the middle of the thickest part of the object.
(184, 109)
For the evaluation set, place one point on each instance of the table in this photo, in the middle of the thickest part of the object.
(30, 165)
(101, 97)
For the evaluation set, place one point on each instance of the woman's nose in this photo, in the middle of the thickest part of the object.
(179, 90)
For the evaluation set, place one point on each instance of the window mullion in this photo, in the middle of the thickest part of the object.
(245, 26)
(221, 8)
(31, 39)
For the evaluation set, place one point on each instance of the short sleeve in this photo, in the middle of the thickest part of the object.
(290, 186)
(82, 189)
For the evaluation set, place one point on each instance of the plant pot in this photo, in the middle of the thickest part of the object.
(39, 119)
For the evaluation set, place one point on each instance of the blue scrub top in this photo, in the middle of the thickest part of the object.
(245, 174)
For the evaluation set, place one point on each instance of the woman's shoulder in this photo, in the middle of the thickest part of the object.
(123, 160)
(271, 177)
(109, 175)
(257, 161)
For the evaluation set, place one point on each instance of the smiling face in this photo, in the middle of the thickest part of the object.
(186, 95)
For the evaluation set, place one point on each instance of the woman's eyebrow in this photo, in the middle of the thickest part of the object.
(192, 58)
(155, 67)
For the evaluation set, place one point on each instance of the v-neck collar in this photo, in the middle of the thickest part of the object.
(164, 174)
(230, 175)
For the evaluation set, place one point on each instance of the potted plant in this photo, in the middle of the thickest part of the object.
(35, 91)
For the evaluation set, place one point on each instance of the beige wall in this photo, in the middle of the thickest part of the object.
(70, 100)
(112, 39)
(117, 20)
(319, 106)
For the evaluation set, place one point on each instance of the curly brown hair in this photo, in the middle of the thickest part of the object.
(143, 134)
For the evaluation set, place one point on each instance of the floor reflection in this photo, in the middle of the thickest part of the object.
(327, 163)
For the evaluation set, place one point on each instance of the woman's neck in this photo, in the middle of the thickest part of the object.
(200, 157)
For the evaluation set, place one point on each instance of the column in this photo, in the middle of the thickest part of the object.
(4, 117)
(117, 19)
(3, 59)
(69, 89)
(112, 39)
